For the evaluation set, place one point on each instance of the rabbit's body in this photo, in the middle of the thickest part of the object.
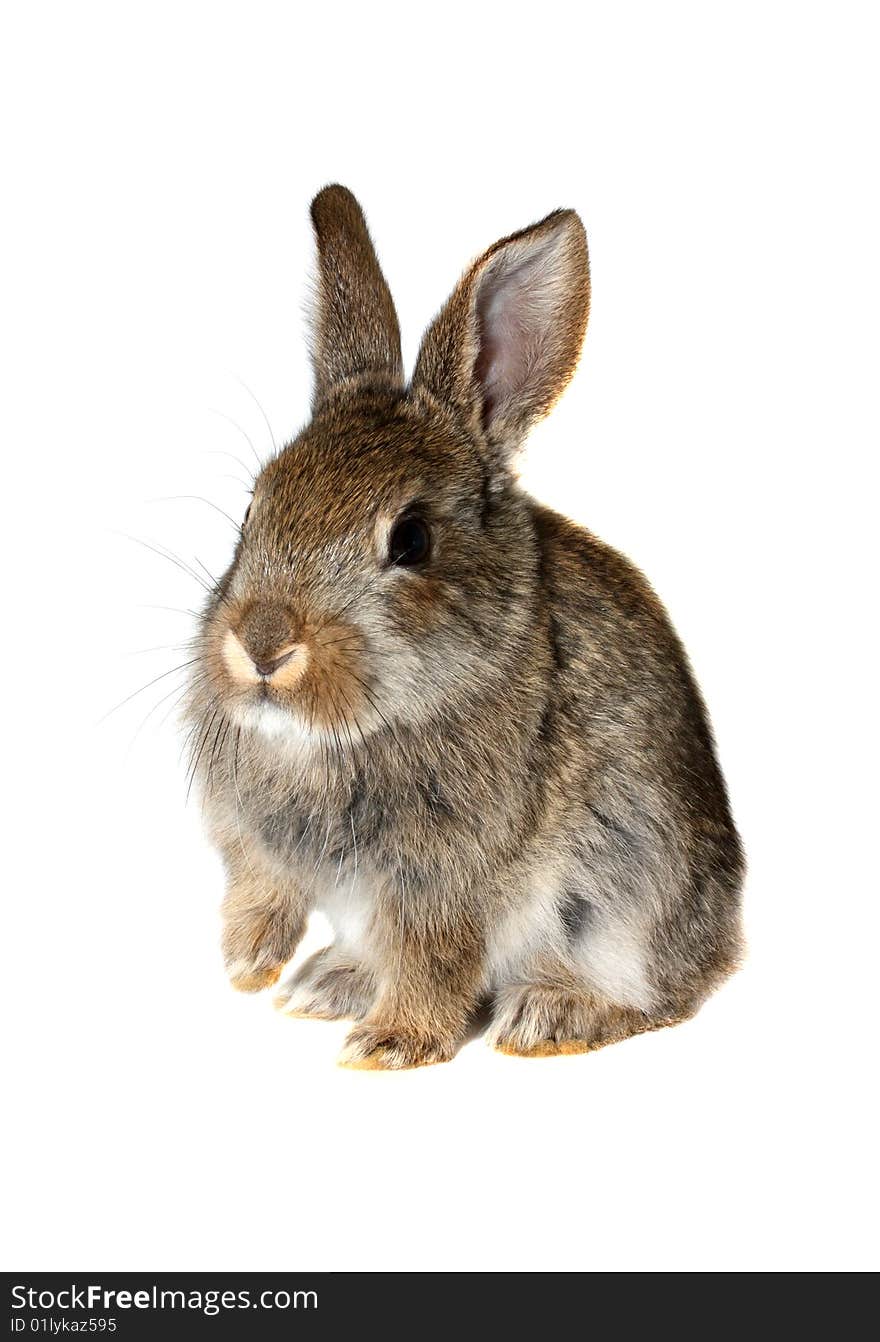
(494, 776)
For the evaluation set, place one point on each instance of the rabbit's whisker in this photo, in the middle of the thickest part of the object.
(172, 559)
(343, 721)
(220, 452)
(197, 680)
(244, 484)
(161, 647)
(259, 406)
(214, 581)
(354, 717)
(141, 689)
(176, 610)
(376, 709)
(349, 639)
(219, 742)
(197, 498)
(178, 690)
(194, 730)
(245, 436)
(198, 755)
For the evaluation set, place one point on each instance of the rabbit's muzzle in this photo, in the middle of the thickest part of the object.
(265, 645)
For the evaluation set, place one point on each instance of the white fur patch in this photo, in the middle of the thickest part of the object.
(277, 724)
(614, 961)
(524, 932)
(348, 904)
(610, 954)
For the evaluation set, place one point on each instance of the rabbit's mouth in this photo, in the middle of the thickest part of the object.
(281, 674)
(281, 667)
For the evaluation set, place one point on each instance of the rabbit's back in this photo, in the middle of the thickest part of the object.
(653, 864)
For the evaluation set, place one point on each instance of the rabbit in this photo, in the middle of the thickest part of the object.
(447, 717)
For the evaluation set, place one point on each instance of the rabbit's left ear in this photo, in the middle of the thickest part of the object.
(505, 345)
(356, 333)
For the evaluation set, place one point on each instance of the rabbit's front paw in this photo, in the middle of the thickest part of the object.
(248, 976)
(257, 944)
(384, 1046)
(329, 986)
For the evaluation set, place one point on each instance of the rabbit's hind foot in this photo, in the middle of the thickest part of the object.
(540, 1021)
(329, 986)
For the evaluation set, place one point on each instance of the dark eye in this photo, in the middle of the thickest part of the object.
(247, 513)
(410, 542)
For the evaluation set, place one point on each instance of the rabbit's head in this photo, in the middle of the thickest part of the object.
(385, 561)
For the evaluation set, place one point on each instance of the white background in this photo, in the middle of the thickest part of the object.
(158, 163)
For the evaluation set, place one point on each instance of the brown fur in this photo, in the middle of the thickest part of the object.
(356, 330)
(262, 924)
(493, 771)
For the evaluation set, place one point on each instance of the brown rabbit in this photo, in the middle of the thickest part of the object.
(452, 720)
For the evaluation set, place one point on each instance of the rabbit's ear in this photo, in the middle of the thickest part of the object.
(355, 328)
(505, 345)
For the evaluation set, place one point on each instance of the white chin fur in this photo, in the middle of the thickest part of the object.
(277, 724)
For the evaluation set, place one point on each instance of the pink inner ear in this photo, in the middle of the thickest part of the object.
(518, 299)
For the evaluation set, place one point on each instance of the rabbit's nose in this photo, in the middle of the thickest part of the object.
(268, 666)
(266, 637)
(249, 666)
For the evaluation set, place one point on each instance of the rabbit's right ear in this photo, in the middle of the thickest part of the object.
(505, 345)
(355, 328)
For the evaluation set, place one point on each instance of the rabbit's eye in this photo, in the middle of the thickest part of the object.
(410, 542)
(247, 513)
